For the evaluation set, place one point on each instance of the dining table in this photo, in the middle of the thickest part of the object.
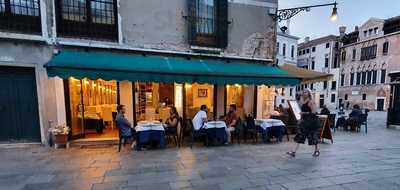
(270, 128)
(150, 133)
(216, 132)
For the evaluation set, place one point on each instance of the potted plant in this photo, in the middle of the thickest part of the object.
(59, 134)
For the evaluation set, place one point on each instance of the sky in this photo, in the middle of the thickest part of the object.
(351, 13)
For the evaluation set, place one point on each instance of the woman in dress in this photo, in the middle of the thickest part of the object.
(309, 125)
(172, 121)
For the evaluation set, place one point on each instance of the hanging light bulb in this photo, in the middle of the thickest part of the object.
(334, 15)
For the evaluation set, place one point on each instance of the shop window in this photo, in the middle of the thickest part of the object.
(326, 62)
(265, 101)
(92, 104)
(197, 95)
(333, 87)
(333, 98)
(358, 81)
(292, 52)
(284, 50)
(22, 16)
(208, 20)
(383, 76)
(91, 19)
(235, 95)
(374, 76)
(351, 79)
(385, 48)
(153, 100)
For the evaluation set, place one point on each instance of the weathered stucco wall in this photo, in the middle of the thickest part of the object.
(159, 25)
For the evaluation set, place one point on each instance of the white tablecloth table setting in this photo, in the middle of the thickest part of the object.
(215, 124)
(267, 123)
(149, 126)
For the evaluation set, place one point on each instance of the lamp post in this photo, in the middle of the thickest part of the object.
(286, 14)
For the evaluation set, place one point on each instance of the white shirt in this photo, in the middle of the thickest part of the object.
(198, 120)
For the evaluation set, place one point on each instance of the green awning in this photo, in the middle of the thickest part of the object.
(155, 68)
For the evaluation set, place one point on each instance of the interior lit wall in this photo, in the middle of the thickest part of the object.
(125, 95)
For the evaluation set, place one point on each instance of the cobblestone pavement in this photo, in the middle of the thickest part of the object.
(354, 161)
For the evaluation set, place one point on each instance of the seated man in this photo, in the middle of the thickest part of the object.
(200, 118)
(231, 120)
(325, 110)
(124, 126)
(354, 118)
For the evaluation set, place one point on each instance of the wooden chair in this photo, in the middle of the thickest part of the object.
(250, 129)
(122, 139)
(238, 131)
(196, 133)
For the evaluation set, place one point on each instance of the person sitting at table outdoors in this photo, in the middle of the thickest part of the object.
(200, 118)
(231, 120)
(325, 110)
(354, 118)
(309, 125)
(125, 127)
(172, 121)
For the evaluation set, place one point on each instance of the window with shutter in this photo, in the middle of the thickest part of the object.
(208, 23)
(21, 16)
(89, 19)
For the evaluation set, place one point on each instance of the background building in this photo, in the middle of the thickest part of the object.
(322, 55)
(369, 54)
(286, 53)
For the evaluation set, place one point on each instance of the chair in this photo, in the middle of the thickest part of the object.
(364, 121)
(331, 119)
(174, 133)
(250, 129)
(122, 139)
(238, 131)
(196, 133)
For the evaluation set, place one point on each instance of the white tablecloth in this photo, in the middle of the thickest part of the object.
(214, 124)
(266, 123)
(148, 126)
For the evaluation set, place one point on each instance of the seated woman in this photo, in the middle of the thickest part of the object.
(172, 121)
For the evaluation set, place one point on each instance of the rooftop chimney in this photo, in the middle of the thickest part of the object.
(306, 39)
(342, 31)
(356, 29)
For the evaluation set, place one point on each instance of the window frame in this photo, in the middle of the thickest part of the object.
(21, 23)
(219, 37)
(383, 76)
(87, 29)
(385, 48)
(333, 85)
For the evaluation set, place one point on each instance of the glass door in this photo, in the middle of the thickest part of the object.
(76, 108)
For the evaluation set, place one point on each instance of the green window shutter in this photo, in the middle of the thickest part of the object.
(192, 21)
(222, 19)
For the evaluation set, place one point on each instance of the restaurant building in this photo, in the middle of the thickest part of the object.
(73, 61)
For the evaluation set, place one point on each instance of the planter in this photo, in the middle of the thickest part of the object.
(60, 139)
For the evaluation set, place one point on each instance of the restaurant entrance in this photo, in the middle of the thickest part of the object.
(91, 108)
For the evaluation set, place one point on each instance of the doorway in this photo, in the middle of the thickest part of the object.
(380, 104)
(18, 105)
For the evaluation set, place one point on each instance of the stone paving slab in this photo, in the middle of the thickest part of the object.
(354, 161)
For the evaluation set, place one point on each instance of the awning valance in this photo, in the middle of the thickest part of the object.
(155, 68)
(307, 76)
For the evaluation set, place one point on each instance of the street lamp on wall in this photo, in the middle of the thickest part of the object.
(286, 14)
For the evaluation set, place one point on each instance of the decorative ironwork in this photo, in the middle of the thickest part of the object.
(20, 16)
(286, 14)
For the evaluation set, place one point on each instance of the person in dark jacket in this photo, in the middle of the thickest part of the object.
(354, 118)
(325, 110)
